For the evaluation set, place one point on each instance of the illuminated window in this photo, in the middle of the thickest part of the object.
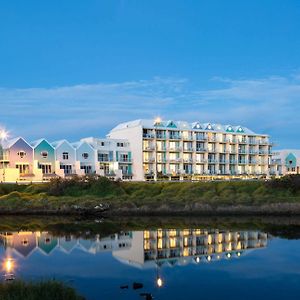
(159, 243)
(185, 242)
(186, 232)
(186, 252)
(159, 233)
(146, 245)
(172, 242)
(172, 232)
(146, 234)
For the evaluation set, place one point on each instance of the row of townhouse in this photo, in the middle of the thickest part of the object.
(146, 150)
(41, 160)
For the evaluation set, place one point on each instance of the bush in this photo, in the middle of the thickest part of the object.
(46, 290)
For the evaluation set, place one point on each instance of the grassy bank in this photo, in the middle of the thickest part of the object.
(47, 290)
(84, 194)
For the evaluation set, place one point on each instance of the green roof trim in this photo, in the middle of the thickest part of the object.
(171, 124)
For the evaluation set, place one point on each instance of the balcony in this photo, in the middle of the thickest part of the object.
(201, 161)
(175, 149)
(252, 142)
(161, 149)
(242, 162)
(243, 141)
(175, 137)
(201, 149)
(160, 136)
(175, 160)
(187, 137)
(212, 139)
(149, 148)
(212, 161)
(252, 162)
(233, 141)
(263, 152)
(104, 159)
(188, 160)
(125, 160)
(242, 151)
(253, 152)
(223, 161)
(201, 138)
(161, 160)
(188, 149)
(149, 159)
(233, 161)
(148, 136)
(263, 142)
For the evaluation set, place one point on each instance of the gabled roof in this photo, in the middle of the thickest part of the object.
(77, 145)
(9, 143)
(34, 144)
(56, 144)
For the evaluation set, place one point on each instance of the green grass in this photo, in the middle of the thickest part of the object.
(87, 192)
(45, 290)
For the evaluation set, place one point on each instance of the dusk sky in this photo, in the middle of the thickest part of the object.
(70, 69)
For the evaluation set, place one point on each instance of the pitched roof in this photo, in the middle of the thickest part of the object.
(182, 125)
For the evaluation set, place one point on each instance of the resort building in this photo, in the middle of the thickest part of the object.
(177, 150)
(113, 157)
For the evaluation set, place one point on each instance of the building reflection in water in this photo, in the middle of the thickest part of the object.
(149, 248)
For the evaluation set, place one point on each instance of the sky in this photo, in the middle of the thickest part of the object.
(71, 69)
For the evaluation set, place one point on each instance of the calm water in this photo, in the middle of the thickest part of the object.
(189, 259)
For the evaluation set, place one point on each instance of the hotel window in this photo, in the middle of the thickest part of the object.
(65, 155)
(85, 155)
(120, 144)
(44, 154)
(22, 154)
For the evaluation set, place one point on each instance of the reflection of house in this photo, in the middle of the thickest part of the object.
(67, 243)
(46, 242)
(23, 242)
(175, 246)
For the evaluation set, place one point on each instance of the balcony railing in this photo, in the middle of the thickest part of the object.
(242, 151)
(263, 152)
(187, 137)
(201, 138)
(243, 141)
(175, 160)
(124, 160)
(175, 137)
(104, 159)
(176, 149)
(149, 159)
(189, 149)
(188, 160)
(212, 161)
(148, 135)
(201, 149)
(201, 161)
(160, 136)
(242, 162)
(149, 148)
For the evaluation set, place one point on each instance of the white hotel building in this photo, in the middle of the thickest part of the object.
(146, 150)
(177, 150)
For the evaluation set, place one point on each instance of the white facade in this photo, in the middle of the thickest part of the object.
(65, 159)
(286, 161)
(193, 151)
(86, 156)
(113, 157)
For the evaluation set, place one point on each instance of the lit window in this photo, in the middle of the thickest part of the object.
(85, 155)
(22, 154)
(44, 154)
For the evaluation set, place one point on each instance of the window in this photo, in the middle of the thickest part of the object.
(22, 154)
(102, 143)
(85, 155)
(65, 155)
(120, 144)
(44, 154)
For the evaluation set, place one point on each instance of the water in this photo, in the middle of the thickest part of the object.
(172, 258)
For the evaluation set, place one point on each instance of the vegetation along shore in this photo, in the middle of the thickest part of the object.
(99, 195)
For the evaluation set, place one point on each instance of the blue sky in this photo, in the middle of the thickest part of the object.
(70, 69)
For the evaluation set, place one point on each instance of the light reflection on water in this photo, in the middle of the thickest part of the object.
(167, 263)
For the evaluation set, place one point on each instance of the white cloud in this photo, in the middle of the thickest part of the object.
(266, 104)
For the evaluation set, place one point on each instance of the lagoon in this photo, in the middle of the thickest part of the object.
(167, 258)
